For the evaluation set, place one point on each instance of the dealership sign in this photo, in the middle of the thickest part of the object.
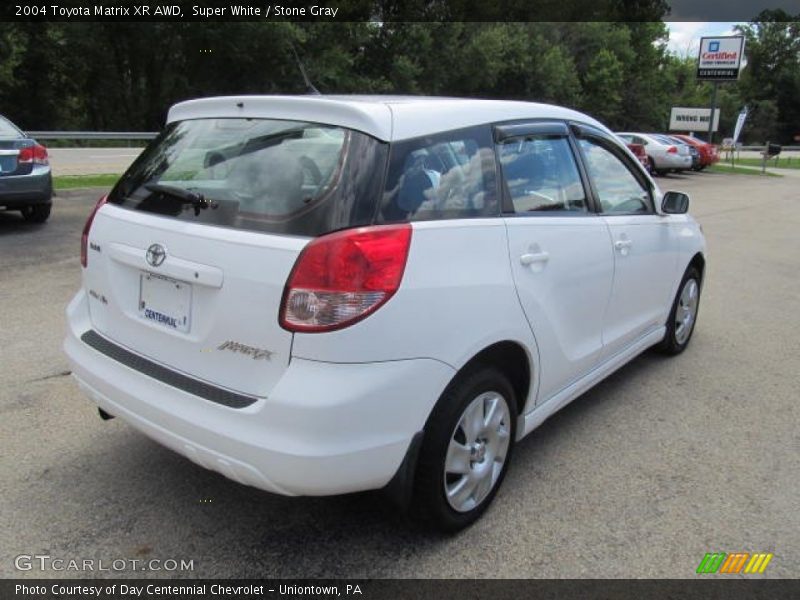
(720, 58)
(691, 119)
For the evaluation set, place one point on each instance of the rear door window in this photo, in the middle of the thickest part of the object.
(541, 175)
(444, 176)
(259, 174)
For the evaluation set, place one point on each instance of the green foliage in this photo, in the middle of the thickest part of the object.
(124, 76)
(771, 81)
(725, 168)
(602, 85)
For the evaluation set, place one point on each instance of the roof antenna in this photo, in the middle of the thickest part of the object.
(310, 89)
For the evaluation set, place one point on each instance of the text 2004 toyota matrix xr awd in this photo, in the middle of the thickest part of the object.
(317, 295)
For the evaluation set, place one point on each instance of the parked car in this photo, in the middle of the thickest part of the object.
(709, 154)
(640, 153)
(683, 148)
(324, 294)
(26, 184)
(664, 156)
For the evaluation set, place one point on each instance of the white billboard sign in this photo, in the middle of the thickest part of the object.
(691, 119)
(720, 58)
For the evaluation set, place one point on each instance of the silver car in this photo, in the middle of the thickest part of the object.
(693, 152)
(663, 155)
(26, 183)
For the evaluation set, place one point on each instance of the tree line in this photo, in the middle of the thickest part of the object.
(124, 76)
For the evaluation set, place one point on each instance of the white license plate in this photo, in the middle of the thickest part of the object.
(165, 301)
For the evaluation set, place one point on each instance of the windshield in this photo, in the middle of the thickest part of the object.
(259, 174)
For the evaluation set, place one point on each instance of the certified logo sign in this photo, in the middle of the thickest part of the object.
(155, 255)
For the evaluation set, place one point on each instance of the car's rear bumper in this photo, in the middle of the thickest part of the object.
(673, 161)
(326, 428)
(18, 191)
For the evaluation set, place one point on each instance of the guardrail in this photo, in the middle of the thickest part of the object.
(93, 135)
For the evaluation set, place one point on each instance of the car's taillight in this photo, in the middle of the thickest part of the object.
(85, 234)
(342, 277)
(36, 154)
(672, 150)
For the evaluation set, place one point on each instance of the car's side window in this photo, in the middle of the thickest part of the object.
(617, 189)
(444, 176)
(540, 174)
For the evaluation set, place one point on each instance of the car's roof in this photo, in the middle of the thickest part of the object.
(688, 139)
(387, 118)
(650, 136)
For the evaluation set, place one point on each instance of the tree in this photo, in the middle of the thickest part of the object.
(771, 80)
(602, 86)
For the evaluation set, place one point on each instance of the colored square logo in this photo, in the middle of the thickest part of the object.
(713, 46)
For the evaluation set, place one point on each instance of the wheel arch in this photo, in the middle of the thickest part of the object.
(698, 261)
(510, 357)
(513, 360)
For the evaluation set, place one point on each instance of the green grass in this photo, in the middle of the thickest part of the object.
(726, 168)
(70, 182)
(783, 162)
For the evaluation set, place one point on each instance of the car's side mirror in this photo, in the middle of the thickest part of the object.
(675, 203)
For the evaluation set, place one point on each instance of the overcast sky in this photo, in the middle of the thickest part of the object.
(684, 36)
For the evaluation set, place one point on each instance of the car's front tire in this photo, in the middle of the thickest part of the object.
(36, 213)
(683, 315)
(468, 443)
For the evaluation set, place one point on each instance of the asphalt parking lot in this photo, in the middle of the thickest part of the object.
(640, 477)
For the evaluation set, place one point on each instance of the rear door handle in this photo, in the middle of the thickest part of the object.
(622, 244)
(538, 257)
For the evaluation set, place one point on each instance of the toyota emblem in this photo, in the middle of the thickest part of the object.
(155, 255)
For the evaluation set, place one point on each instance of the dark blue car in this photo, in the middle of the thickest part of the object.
(26, 183)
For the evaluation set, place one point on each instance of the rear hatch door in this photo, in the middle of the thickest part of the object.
(188, 260)
(208, 310)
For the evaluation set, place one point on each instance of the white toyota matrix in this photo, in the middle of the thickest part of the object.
(325, 294)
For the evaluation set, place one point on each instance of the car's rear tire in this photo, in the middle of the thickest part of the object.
(683, 315)
(468, 443)
(36, 213)
(661, 172)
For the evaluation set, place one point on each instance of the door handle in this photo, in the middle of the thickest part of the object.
(538, 257)
(623, 244)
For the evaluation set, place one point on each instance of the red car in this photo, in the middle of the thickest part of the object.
(640, 153)
(708, 152)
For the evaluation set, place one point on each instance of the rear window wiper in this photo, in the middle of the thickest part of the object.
(198, 201)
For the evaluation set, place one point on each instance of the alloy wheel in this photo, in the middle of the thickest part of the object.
(477, 451)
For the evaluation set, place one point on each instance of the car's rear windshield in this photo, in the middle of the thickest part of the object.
(266, 175)
(667, 139)
(7, 130)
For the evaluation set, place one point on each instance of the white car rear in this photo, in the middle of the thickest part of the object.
(320, 295)
(664, 155)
